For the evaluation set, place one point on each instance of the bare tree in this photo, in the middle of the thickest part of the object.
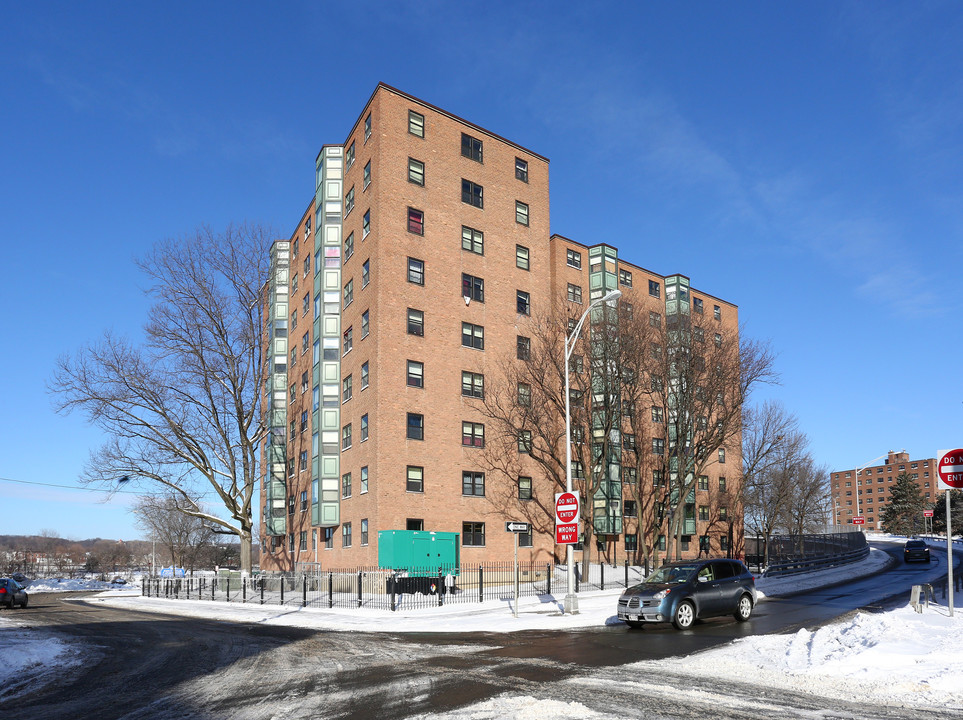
(184, 409)
(183, 535)
(806, 508)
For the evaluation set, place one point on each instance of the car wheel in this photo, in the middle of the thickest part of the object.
(684, 615)
(24, 603)
(743, 609)
(634, 624)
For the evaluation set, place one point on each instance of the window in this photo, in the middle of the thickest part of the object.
(304, 421)
(349, 156)
(349, 293)
(524, 395)
(575, 293)
(631, 542)
(364, 427)
(472, 193)
(523, 347)
(307, 265)
(346, 389)
(416, 271)
(304, 500)
(523, 303)
(625, 278)
(717, 312)
(305, 342)
(472, 336)
(524, 488)
(631, 508)
(473, 534)
(415, 479)
(718, 340)
(473, 483)
(348, 341)
(473, 240)
(291, 542)
(525, 441)
(521, 257)
(367, 127)
(703, 482)
(366, 224)
(521, 213)
(416, 374)
(364, 531)
(654, 288)
(472, 434)
(416, 426)
(416, 124)
(472, 287)
(346, 535)
(658, 446)
(365, 376)
(365, 324)
(655, 319)
(573, 258)
(416, 322)
(346, 437)
(366, 181)
(349, 246)
(416, 172)
(521, 169)
(656, 351)
(365, 273)
(722, 484)
(723, 513)
(699, 334)
(628, 442)
(346, 485)
(471, 147)
(328, 538)
(658, 478)
(697, 305)
(349, 201)
(305, 304)
(472, 384)
(364, 479)
(722, 455)
(416, 221)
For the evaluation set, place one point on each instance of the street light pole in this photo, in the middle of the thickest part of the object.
(571, 599)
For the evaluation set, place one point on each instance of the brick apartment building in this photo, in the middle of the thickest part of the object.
(868, 493)
(412, 275)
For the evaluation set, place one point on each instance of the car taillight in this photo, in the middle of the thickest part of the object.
(2, 590)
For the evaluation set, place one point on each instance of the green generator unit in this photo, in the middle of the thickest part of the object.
(417, 559)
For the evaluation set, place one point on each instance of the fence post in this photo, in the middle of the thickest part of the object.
(229, 586)
(304, 591)
(578, 575)
(602, 574)
(261, 583)
(282, 589)
(626, 572)
(481, 583)
(213, 585)
(441, 588)
(360, 575)
(394, 587)
(330, 590)
(244, 590)
(548, 574)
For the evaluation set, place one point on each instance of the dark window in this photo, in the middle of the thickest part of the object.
(346, 485)
(416, 123)
(365, 273)
(416, 221)
(367, 127)
(525, 441)
(416, 271)
(524, 488)
(523, 347)
(349, 156)
(717, 312)
(473, 240)
(521, 257)
(364, 427)
(367, 175)
(521, 169)
(472, 384)
(349, 201)
(348, 340)
(346, 535)
(658, 446)
(573, 258)
(473, 534)
(349, 246)
(415, 482)
(697, 305)
(631, 508)
(473, 287)
(416, 322)
(523, 303)
(521, 213)
(416, 171)
(575, 293)
(473, 483)
(364, 376)
(346, 389)
(524, 395)
(473, 336)
(416, 374)
(625, 278)
(472, 193)
(346, 437)
(631, 542)
(471, 147)
(416, 426)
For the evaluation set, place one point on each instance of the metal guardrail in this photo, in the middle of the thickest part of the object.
(800, 565)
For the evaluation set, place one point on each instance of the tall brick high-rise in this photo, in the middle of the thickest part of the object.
(413, 274)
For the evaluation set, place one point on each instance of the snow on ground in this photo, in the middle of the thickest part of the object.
(895, 657)
(30, 654)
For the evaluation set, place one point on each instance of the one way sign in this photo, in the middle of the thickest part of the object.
(517, 527)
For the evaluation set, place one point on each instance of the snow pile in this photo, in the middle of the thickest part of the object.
(50, 585)
(29, 655)
(897, 657)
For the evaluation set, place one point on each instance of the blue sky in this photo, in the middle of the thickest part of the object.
(802, 160)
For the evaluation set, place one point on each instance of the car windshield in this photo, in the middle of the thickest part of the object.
(915, 544)
(671, 575)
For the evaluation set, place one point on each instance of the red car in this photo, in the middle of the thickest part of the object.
(12, 593)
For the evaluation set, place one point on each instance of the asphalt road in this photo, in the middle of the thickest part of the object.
(143, 665)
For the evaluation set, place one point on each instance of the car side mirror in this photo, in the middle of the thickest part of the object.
(703, 578)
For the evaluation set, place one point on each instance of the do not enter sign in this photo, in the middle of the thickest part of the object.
(566, 508)
(950, 469)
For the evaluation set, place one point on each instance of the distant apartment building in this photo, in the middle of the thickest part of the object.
(412, 275)
(867, 494)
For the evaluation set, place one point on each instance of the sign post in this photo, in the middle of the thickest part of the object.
(949, 467)
(516, 528)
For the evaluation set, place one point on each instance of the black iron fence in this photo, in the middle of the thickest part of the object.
(805, 552)
(376, 588)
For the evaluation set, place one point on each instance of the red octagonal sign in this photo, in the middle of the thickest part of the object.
(950, 469)
(566, 508)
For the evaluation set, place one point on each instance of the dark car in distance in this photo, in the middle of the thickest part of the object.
(683, 592)
(916, 550)
(12, 593)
